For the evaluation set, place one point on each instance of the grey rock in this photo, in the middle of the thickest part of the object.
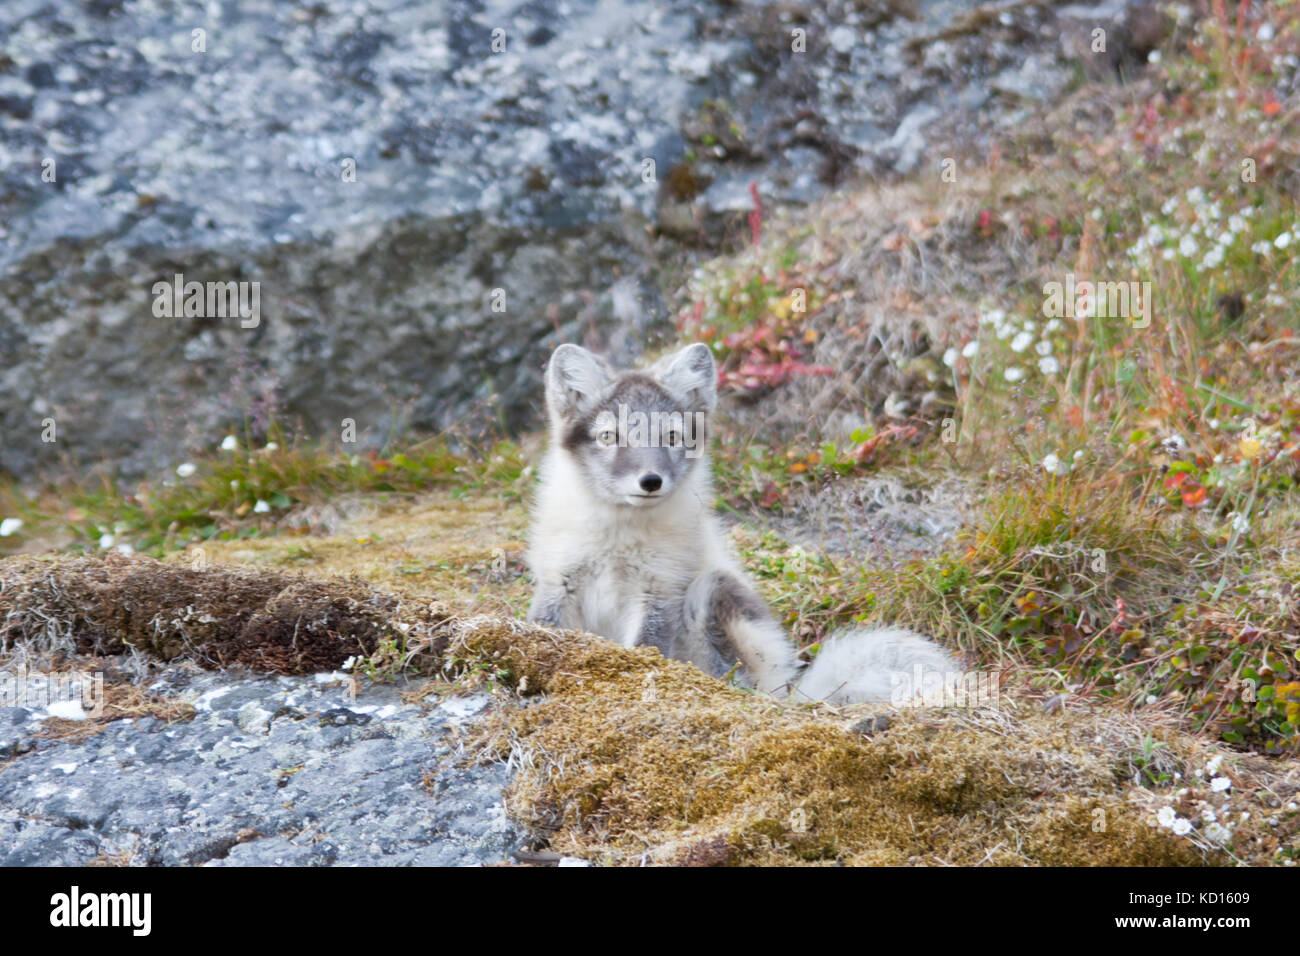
(258, 779)
(521, 171)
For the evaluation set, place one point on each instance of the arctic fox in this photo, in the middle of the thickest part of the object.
(625, 544)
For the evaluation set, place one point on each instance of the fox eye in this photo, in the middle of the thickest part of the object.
(674, 438)
(606, 437)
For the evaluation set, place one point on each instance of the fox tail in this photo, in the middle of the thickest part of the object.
(861, 664)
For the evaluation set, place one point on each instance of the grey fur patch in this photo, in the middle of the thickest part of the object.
(730, 600)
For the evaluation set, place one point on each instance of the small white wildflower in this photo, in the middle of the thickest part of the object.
(1078, 455)
(1282, 241)
(950, 357)
(9, 526)
(105, 541)
(1262, 247)
(185, 469)
(1170, 205)
(1219, 784)
(1174, 444)
(1236, 222)
(970, 348)
(1213, 764)
(1182, 827)
(1052, 465)
(124, 548)
(1218, 833)
(1043, 348)
(1049, 365)
(229, 443)
(1021, 342)
(1014, 374)
(1187, 247)
(348, 664)
(1264, 33)
(1153, 56)
(995, 317)
(1208, 814)
(1166, 816)
(261, 507)
(271, 446)
(1240, 524)
(1151, 698)
(1051, 326)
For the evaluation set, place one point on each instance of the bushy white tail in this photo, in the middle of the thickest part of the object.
(860, 665)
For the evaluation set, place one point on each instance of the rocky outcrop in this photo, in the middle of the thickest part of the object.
(427, 194)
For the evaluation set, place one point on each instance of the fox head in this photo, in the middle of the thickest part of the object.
(636, 437)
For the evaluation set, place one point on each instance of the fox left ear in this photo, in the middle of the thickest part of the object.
(572, 376)
(691, 372)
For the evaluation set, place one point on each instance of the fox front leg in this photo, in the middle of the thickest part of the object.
(550, 605)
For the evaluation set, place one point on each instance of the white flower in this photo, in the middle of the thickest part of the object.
(9, 526)
(124, 549)
(950, 358)
(1166, 816)
(1014, 374)
(1212, 766)
(186, 469)
(1021, 342)
(1049, 365)
(969, 350)
(1051, 326)
(1219, 784)
(1170, 205)
(1078, 455)
(1241, 525)
(1052, 465)
(995, 317)
(1218, 833)
(261, 507)
(1151, 698)
(1283, 240)
(1043, 348)
(229, 443)
(1187, 247)
(271, 446)
(1208, 814)
(105, 541)
(1182, 827)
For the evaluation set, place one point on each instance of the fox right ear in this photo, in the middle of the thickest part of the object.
(572, 375)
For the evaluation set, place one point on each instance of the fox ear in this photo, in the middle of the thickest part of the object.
(573, 374)
(691, 372)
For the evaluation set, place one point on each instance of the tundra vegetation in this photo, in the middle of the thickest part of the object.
(1124, 465)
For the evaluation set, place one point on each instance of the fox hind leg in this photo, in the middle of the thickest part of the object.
(739, 627)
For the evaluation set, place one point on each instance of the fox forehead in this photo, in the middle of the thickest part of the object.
(633, 391)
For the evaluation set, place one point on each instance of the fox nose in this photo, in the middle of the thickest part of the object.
(651, 482)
